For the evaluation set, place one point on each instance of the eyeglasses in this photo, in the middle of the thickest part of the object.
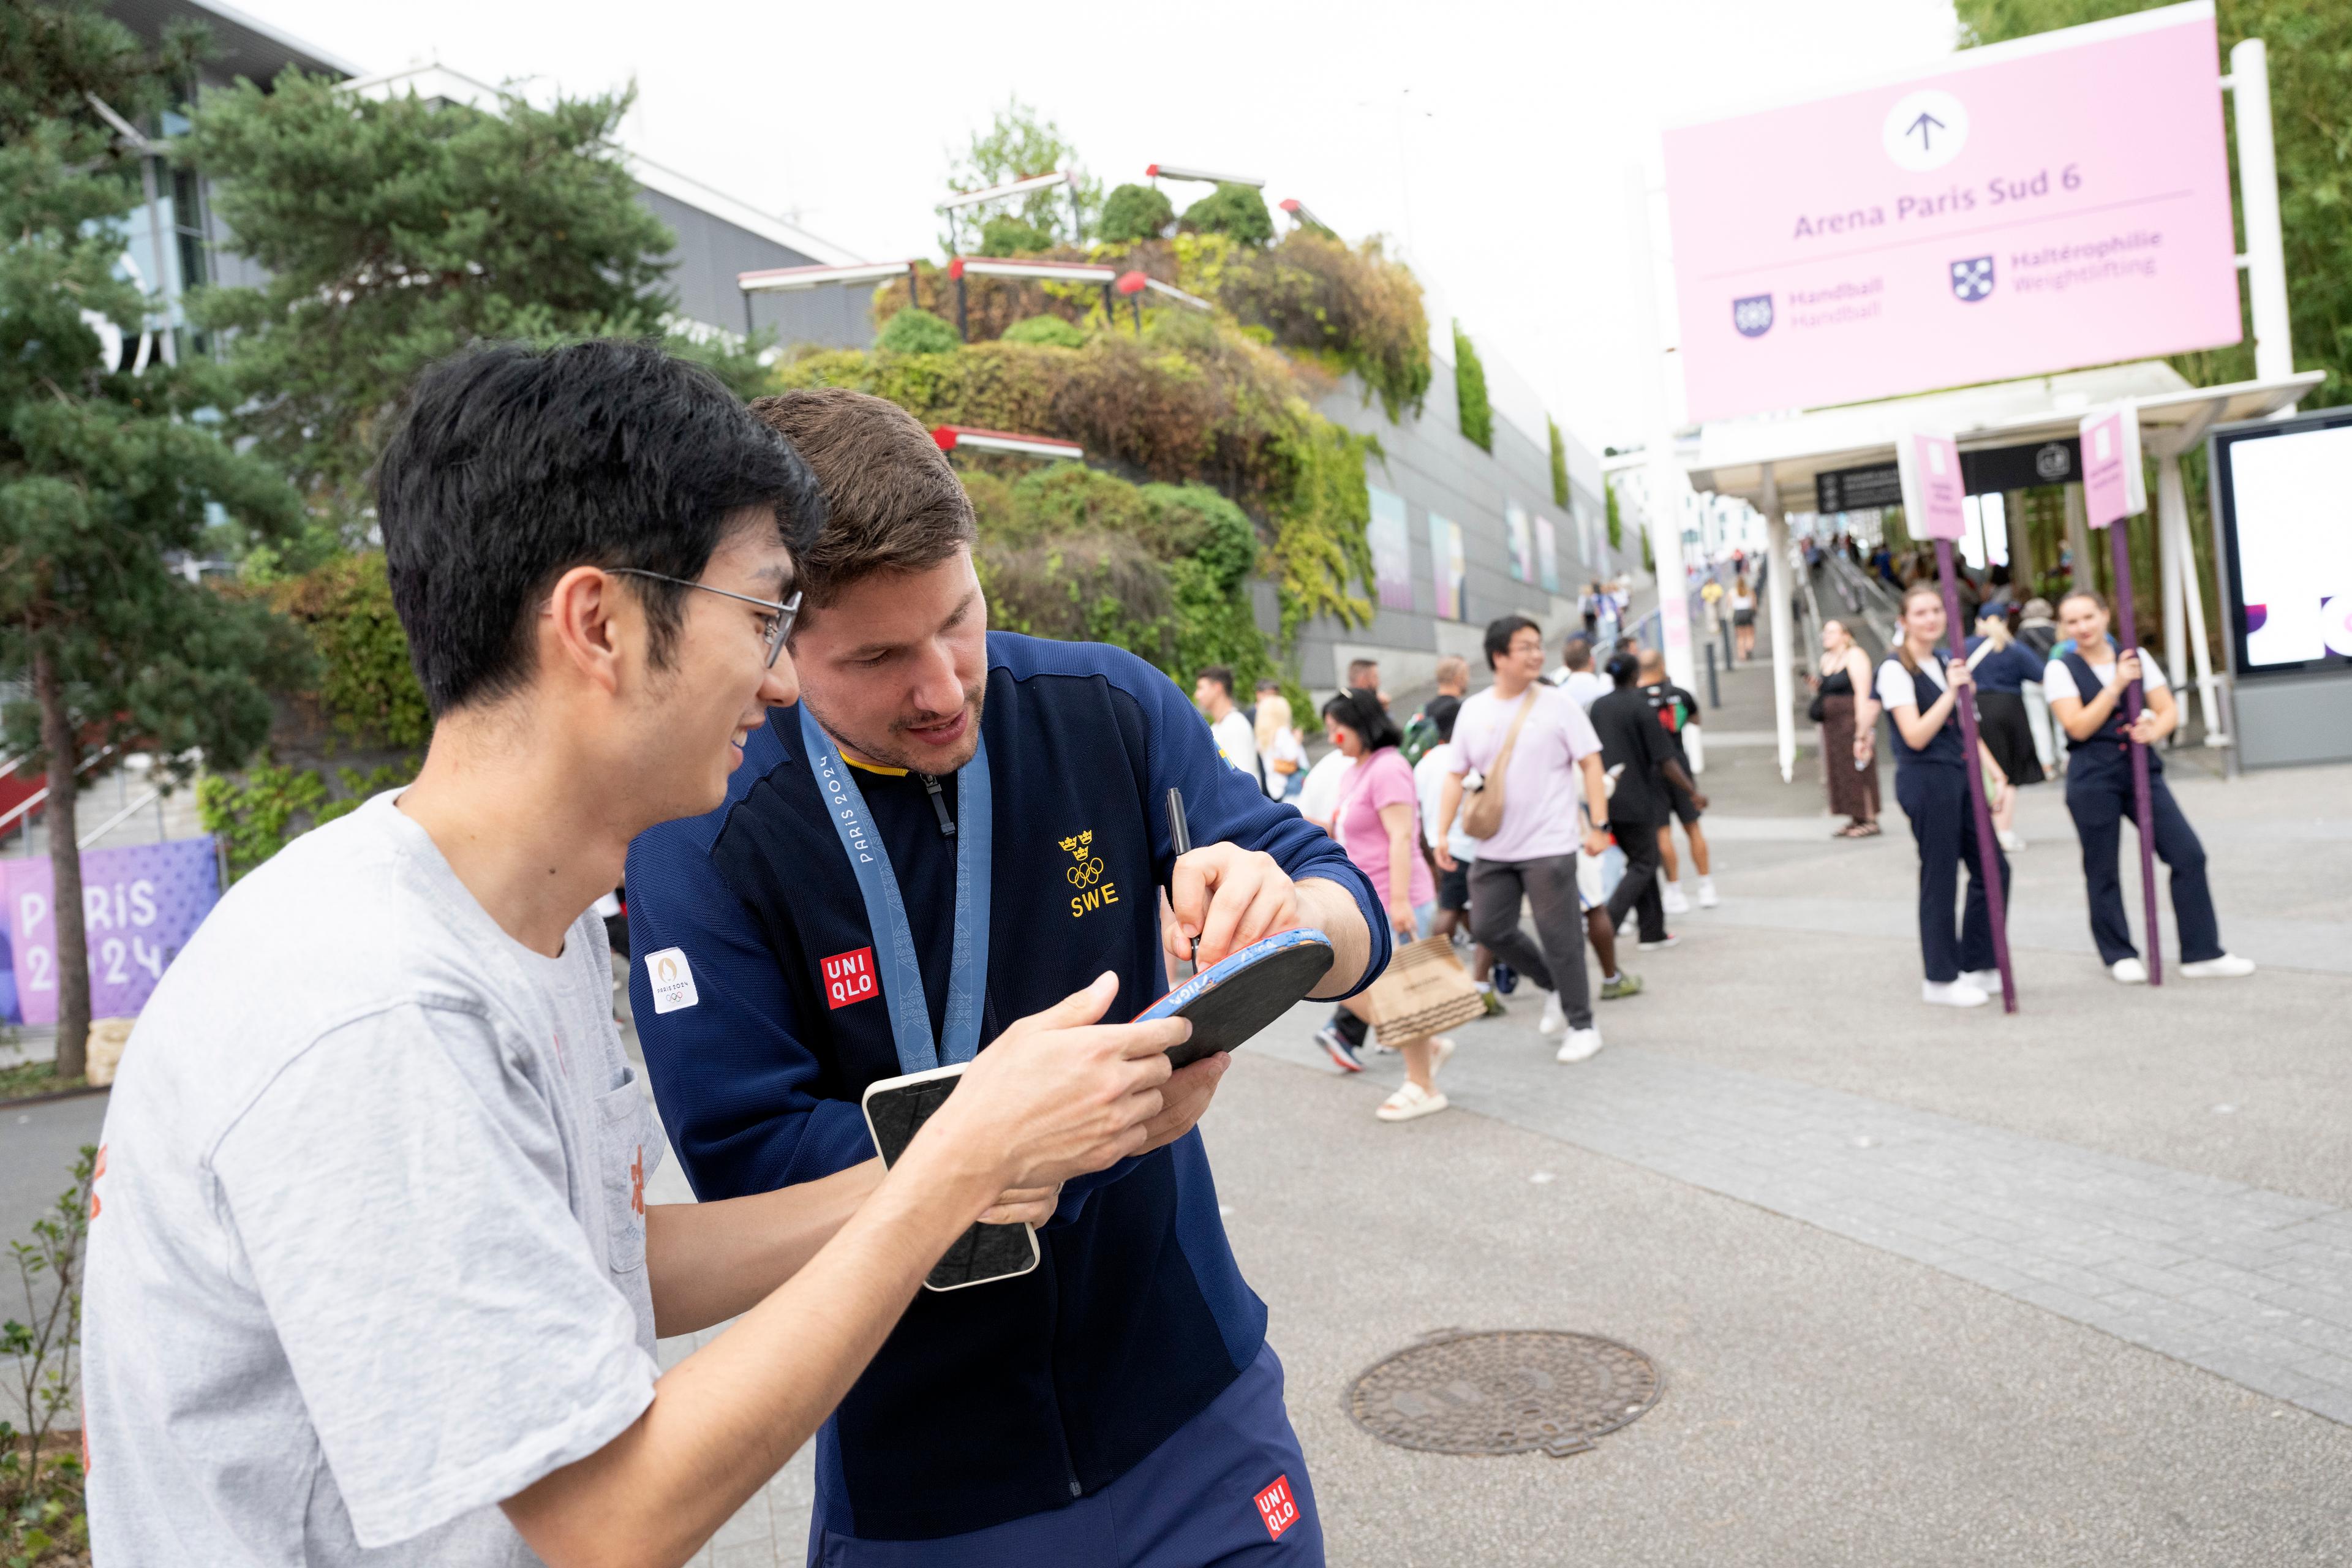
(780, 618)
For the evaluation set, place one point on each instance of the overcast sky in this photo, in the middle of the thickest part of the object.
(1491, 140)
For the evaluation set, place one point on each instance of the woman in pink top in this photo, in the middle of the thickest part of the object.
(1377, 822)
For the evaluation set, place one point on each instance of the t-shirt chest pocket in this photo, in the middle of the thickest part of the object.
(627, 1151)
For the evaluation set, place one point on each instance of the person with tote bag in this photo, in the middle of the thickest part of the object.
(1378, 824)
(1536, 752)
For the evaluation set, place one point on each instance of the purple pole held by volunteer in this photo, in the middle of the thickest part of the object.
(2115, 487)
(2127, 626)
(1988, 848)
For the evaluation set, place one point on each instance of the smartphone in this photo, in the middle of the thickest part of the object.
(896, 1110)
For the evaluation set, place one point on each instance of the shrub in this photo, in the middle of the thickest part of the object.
(1470, 391)
(1133, 212)
(1160, 570)
(1559, 463)
(272, 806)
(992, 305)
(1050, 331)
(1006, 235)
(1355, 309)
(1191, 401)
(915, 330)
(367, 686)
(41, 1511)
(1616, 523)
(1235, 210)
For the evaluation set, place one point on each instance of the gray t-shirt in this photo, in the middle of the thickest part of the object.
(368, 1253)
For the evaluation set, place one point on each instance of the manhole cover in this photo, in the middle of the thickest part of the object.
(1510, 1392)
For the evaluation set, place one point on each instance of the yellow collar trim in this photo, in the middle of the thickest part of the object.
(883, 768)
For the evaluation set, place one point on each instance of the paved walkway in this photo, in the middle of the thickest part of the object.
(2251, 1284)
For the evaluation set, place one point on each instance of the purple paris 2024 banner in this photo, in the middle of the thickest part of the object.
(139, 905)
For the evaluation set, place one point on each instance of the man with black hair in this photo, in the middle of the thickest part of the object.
(986, 817)
(372, 1276)
(1533, 743)
(1640, 757)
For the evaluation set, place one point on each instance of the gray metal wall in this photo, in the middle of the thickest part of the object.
(711, 253)
(1436, 469)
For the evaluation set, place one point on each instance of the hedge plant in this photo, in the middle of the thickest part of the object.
(1235, 210)
(1050, 331)
(1559, 463)
(367, 687)
(1353, 307)
(1160, 570)
(1192, 401)
(916, 332)
(1006, 235)
(1133, 212)
(1477, 414)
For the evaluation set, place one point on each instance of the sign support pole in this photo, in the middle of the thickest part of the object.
(1665, 482)
(2127, 624)
(1987, 847)
(1929, 462)
(2115, 487)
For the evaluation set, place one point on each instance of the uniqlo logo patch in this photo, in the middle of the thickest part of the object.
(849, 978)
(1278, 1508)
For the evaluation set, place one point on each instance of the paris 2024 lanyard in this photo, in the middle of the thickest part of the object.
(896, 966)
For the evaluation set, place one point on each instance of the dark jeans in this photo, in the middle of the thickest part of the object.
(1554, 960)
(1638, 889)
(2100, 797)
(1943, 822)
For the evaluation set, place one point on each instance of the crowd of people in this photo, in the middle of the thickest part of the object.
(1555, 794)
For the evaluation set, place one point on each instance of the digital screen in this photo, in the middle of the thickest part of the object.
(2289, 524)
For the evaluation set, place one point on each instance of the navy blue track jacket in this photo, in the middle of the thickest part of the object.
(1016, 1397)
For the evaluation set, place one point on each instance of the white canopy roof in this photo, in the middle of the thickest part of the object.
(1731, 458)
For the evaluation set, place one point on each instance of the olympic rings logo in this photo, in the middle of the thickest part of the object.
(1085, 875)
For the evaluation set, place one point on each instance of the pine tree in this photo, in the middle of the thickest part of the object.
(105, 473)
(396, 231)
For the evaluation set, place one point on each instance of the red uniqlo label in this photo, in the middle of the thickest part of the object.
(849, 977)
(1275, 1506)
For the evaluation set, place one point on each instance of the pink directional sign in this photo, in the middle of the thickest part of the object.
(1933, 490)
(2058, 201)
(2114, 484)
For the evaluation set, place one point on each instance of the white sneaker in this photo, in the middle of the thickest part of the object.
(2128, 972)
(1706, 892)
(1409, 1102)
(1579, 1044)
(1675, 903)
(1985, 980)
(1961, 992)
(2228, 966)
(1554, 1017)
(2011, 841)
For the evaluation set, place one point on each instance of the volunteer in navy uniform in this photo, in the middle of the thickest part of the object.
(2086, 695)
(1921, 697)
(953, 827)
